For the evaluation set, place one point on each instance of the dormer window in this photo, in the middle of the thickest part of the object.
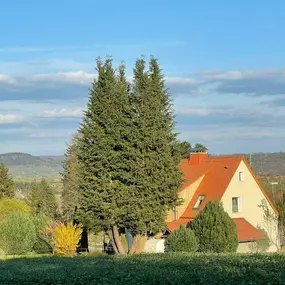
(241, 176)
(199, 201)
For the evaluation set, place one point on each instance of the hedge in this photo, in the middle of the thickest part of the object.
(174, 268)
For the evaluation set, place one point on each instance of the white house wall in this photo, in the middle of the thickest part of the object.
(251, 200)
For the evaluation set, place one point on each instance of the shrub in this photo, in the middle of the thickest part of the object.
(64, 238)
(17, 234)
(215, 229)
(183, 240)
(42, 245)
(9, 206)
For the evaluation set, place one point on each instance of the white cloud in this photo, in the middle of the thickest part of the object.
(11, 118)
(63, 113)
(194, 111)
(79, 77)
(6, 79)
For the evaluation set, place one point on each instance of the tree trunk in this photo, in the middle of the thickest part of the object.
(117, 240)
(110, 234)
(135, 244)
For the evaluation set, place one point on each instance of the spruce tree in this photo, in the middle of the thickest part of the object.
(215, 229)
(128, 175)
(103, 150)
(157, 178)
(69, 201)
(7, 186)
(41, 199)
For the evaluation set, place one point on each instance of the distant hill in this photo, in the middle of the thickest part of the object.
(267, 163)
(26, 165)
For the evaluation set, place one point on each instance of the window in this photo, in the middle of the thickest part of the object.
(199, 201)
(236, 204)
(241, 176)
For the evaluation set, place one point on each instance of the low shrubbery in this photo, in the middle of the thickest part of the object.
(181, 240)
(17, 234)
(175, 268)
(64, 237)
(215, 229)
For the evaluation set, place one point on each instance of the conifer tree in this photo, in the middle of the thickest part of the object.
(69, 201)
(7, 186)
(215, 229)
(157, 178)
(128, 175)
(103, 150)
(41, 199)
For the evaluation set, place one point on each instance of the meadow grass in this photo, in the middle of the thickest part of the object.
(146, 269)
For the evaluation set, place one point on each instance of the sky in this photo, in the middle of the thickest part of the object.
(224, 63)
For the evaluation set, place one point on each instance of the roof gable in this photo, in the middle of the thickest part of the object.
(217, 172)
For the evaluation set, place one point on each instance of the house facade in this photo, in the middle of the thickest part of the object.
(231, 181)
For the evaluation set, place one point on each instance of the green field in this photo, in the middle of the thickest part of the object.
(146, 269)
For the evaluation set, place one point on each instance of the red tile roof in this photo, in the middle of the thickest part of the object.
(217, 172)
(174, 225)
(246, 231)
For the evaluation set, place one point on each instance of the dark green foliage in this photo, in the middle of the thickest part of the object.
(215, 230)
(184, 148)
(103, 151)
(17, 234)
(40, 222)
(7, 186)
(192, 269)
(70, 181)
(41, 246)
(200, 146)
(181, 240)
(41, 199)
(128, 174)
(157, 178)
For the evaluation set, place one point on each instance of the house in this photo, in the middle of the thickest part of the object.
(231, 181)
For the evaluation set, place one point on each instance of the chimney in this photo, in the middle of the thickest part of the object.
(196, 158)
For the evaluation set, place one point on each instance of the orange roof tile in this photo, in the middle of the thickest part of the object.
(174, 225)
(246, 231)
(217, 173)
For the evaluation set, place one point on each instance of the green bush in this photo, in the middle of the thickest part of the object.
(181, 240)
(41, 246)
(17, 234)
(215, 229)
(40, 222)
(9, 206)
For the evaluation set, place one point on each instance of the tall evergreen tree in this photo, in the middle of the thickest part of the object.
(103, 153)
(41, 199)
(69, 201)
(7, 186)
(157, 178)
(128, 170)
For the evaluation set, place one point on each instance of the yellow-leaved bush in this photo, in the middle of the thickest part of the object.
(64, 237)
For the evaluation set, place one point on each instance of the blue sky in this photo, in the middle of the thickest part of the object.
(223, 62)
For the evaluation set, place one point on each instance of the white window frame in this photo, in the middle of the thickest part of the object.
(241, 176)
(239, 204)
(199, 201)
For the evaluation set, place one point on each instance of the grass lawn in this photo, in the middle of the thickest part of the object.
(146, 269)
